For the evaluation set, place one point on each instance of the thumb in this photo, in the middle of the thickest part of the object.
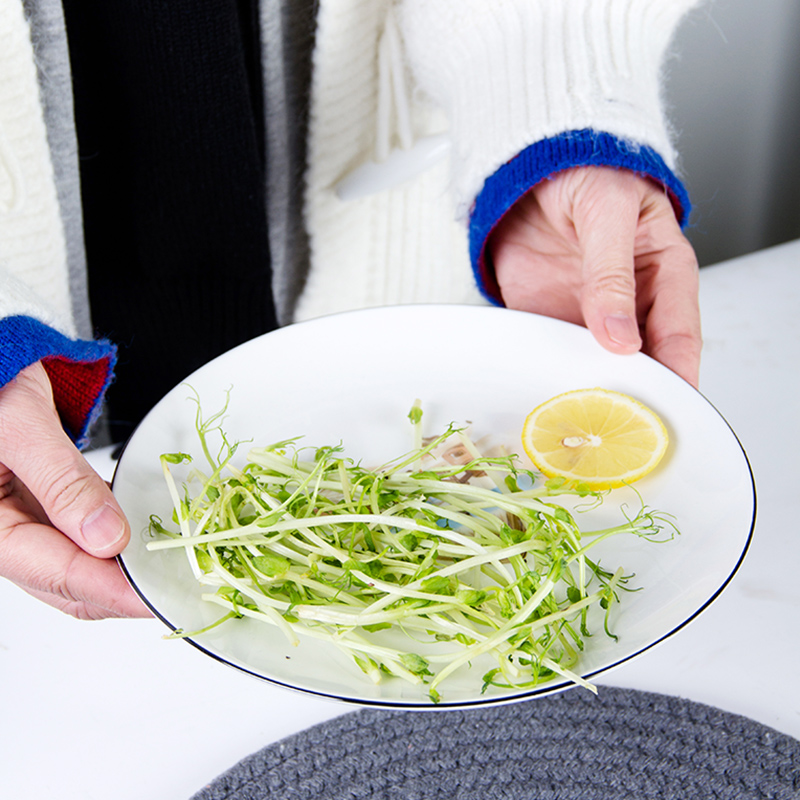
(605, 223)
(35, 448)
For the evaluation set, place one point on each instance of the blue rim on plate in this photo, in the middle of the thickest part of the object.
(351, 378)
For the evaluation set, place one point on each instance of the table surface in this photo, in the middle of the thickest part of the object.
(109, 710)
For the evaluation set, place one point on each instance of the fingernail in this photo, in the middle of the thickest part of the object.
(621, 329)
(103, 528)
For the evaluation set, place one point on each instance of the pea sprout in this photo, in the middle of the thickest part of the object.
(460, 549)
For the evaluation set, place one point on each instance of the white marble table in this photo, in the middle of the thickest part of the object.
(109, 711)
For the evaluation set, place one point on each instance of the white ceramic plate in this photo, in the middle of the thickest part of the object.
(352, 378)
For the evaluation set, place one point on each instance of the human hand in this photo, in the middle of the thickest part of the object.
(60, 525)
(602, 247)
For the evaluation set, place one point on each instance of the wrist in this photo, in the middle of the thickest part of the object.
(546, 158)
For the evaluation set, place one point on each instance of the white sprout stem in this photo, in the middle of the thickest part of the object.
(411, 589)
(183, 522)
(235, 534)
(327, 549)
(499, 636)
(568, 674)
(348, 644)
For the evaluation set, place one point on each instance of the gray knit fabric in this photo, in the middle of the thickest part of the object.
(287, 32)
(287, 36)
(49, 39)
(571, 746)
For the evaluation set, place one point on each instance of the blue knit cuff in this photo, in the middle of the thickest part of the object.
(545, 158)
(79, 371)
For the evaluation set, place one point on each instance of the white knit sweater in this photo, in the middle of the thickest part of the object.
(33, 259)
(493, 75)
(496, 76)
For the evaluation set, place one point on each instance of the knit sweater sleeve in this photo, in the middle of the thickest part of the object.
(80, 370)
(36, 315)
(533, 87)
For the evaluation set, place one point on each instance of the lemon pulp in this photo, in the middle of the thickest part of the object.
(600, 437)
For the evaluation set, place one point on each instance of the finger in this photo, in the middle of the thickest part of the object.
(52, 568)
(38, 452)
(681, 353)
(673, 328)
(74, 608)
(606, 216)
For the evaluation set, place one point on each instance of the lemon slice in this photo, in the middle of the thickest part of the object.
(596, 436)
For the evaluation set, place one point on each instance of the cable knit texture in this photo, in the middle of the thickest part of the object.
(514, 72)
(48, 34)
(499, 77)
(32, 244)
(36, 319)
(399, 246)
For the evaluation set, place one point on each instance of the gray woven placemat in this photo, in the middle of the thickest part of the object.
(570, 746)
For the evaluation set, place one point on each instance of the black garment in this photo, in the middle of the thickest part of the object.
(170, 122)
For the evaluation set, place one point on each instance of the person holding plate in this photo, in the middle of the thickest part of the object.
(176, 178)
